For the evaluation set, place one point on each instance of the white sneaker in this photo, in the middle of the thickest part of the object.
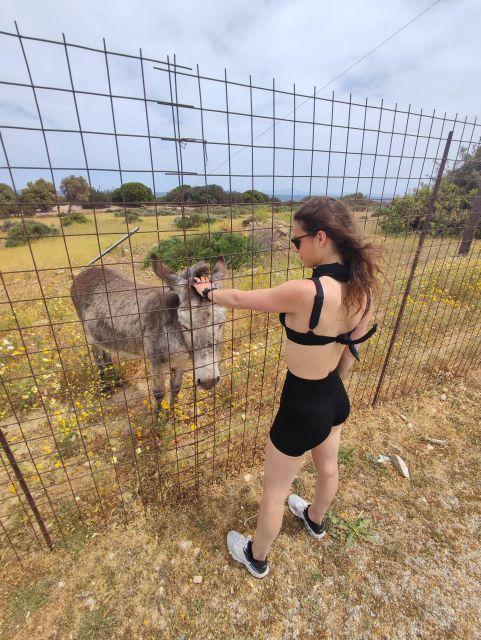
(298, 506)
(240, 549)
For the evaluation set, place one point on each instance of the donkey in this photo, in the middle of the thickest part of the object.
(168, 325)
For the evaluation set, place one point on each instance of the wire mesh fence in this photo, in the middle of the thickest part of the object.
(107, 158)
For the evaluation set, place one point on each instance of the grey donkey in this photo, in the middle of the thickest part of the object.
(168, 325)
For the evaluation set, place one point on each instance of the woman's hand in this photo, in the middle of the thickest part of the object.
(201, 283)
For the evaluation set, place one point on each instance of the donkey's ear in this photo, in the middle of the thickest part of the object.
(220, 269)
(172, 300)
(164, 272)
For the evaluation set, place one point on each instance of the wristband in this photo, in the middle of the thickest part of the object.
(206, 291)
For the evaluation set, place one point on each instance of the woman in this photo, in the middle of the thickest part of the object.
(324, 317)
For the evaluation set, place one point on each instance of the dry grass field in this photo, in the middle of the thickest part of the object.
(410, 569)
(94, 462)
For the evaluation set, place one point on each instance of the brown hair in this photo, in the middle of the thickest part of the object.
(337, 220)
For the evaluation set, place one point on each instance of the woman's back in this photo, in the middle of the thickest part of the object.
(314, 362)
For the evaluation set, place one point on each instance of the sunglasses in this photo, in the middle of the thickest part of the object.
(296, 240)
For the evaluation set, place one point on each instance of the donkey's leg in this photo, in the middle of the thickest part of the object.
(111, 374)
(176, 383)
(108, 376)
(158, 380)
(103, 361)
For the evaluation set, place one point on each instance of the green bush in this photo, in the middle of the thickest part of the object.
(190, 220)
(19, 234)
(236, 248)
(73, 217)
(128, 215)
(133, 193)
(252, 195)
(404, 215)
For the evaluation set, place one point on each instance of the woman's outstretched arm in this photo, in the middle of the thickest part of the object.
(284, 298)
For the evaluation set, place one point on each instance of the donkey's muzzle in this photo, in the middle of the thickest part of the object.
(208, 383)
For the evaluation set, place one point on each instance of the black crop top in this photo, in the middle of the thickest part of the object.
(338, 272)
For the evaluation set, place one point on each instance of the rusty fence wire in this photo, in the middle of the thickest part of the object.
(222, 166)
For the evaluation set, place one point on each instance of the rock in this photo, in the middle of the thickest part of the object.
(400, 465)
(381, 459)
(247, 477)
(197, 580)
(185, 544)
(438, 441)
(443, 397)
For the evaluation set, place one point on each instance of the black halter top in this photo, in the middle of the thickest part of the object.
(338, 272)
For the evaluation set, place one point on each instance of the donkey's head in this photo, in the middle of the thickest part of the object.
(201, 322)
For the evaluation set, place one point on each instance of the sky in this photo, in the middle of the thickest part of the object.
(432, 64)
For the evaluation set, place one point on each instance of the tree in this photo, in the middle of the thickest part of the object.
(358, 201)
(407, 214)
(252, 195)
(75, 189)
(133, 193)
(206, 194)
(98, 198)
(468, 173)
(8, 204)
(178, 194)
(209, 194)
(38, 195)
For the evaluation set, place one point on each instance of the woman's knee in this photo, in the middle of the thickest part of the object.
(274, 499)
(327, 471)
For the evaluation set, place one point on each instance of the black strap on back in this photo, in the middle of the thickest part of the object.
(345, 338)
(318, 302)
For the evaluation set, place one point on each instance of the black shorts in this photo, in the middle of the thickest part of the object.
(307, 412)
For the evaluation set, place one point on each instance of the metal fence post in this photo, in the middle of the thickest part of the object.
(25, 489)
(414, 265)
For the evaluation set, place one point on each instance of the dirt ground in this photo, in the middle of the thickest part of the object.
(418, 577)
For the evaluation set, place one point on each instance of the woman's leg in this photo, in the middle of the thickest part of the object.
(324, 457)
(279, 472)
